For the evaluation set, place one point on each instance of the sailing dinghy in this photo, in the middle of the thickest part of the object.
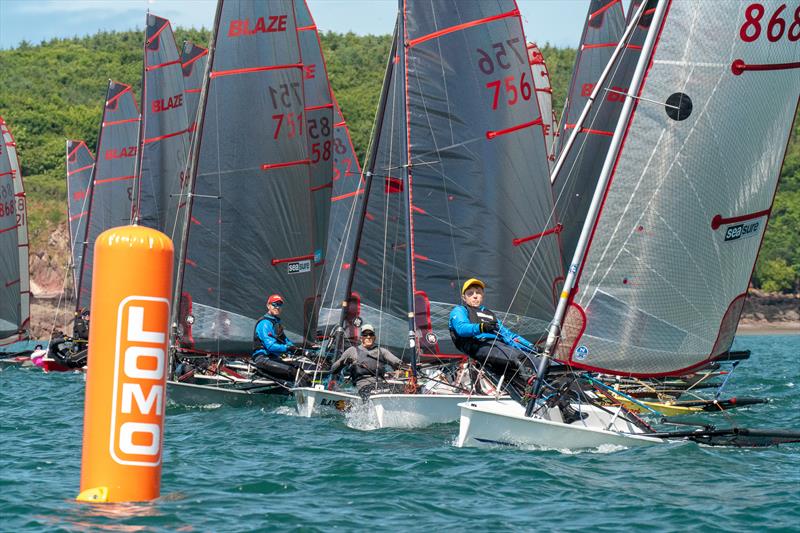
(658, 281)
(250, 224)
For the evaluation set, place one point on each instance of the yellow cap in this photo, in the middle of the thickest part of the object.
(470, 282)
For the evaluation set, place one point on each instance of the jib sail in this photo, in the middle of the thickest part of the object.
(250, 222)
(683, 204)
(80, 164)
(112, 179)
(10, 311)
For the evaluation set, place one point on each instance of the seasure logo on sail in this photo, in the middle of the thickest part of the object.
(741, 231)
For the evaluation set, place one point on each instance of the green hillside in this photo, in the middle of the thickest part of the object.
(54, 91)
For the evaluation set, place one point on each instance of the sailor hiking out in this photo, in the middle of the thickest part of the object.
(367, 364)
(271, 345)
(477, 332)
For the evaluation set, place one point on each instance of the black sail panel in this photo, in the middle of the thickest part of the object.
(80, 164)
(193, 65)
(113, 179)
(380, 278)
(319, 127)
(250, 233)
(165, 139)
(481, 201)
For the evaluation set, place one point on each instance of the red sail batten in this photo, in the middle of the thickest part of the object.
(459, 27)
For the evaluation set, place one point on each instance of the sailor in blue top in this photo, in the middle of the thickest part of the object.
(478, 333)
(270, 343)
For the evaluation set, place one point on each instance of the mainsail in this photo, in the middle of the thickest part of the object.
(193, 64)
(80, 164)
(686, 196)
(320, 128)
(164, 136)
(112, 177)
(250, 223)
(460, 185)
(575, 183)
(21, 206)
(10, 311)
(544, 96)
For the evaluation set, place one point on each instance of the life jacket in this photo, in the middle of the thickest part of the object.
(81, 329)
(277, 329)
(367, 363)
(476, 316)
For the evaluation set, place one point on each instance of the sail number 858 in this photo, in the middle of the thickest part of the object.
(775, 27)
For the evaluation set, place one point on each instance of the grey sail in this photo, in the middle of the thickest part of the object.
(575, 184)
(165, 135)
(193, 65)
(80, 164)
(21, 206)
(10, 311)
(113, 177)
(662, 284)
(462, 170)
(250, 224)
(544, 96)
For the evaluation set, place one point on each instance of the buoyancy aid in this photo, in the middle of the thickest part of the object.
(367, 363)
(277, 329)
(476, 316)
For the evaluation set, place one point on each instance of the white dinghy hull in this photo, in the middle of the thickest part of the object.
(419, 410)
(309, 400)
(503, 423)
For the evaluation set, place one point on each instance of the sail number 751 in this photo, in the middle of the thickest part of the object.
(775, 27)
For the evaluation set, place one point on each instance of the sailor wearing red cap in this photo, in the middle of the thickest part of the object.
(270, 342)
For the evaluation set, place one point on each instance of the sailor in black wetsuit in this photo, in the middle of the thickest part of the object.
(80, 329)
(367, 363)
(478, 333)
(270, 344)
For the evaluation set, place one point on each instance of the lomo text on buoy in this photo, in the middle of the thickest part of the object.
(123, 425)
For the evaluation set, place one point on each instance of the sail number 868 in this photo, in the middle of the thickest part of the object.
(775, 28)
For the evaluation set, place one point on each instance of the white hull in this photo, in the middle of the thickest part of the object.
(504, 422)
(191, 394)
(419, 410)
(309, 400)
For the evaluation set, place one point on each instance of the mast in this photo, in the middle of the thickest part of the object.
(554, 331)
(370, 168)
(85, 243)
(192, 175)
(137, 170)
(412, 340)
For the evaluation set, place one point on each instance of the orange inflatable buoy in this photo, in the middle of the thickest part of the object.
(123, 426)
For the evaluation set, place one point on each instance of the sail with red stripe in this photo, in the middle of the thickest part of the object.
(11, 317)
(684, 208)
(461, 186)
(249, 227)
(320, 127)
(80, 164)
(193, 65)
(21, 206)
(544, 96)
(165, 136)
(113, 176)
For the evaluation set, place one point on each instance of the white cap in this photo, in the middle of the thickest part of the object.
(367, 327)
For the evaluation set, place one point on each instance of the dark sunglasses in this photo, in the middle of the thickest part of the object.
(277, 304)
(367, 334)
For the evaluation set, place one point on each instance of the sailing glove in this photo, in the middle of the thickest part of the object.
(489, 327)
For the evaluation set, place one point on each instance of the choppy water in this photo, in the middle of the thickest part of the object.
(228, 469)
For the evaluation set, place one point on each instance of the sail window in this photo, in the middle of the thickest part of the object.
(678, 106)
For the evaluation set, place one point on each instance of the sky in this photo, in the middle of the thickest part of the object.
(558, 22)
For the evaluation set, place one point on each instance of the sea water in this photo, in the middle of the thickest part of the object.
(245, 469)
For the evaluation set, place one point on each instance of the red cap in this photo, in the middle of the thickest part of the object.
(274, 298)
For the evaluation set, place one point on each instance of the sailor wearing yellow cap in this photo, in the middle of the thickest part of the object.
(478, 333)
